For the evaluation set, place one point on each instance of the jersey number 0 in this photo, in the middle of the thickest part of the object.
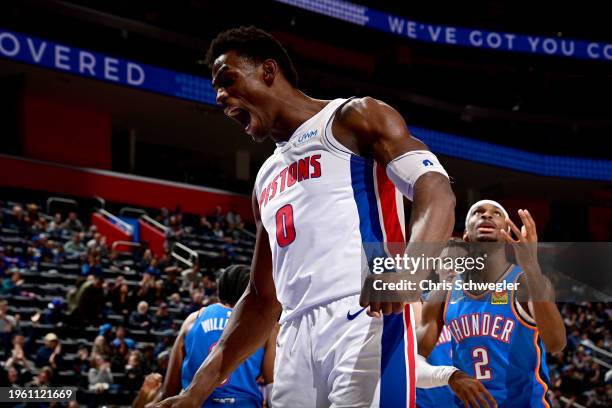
(285, 230)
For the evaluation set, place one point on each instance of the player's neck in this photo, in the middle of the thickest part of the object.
(495, 265)
(295, 108)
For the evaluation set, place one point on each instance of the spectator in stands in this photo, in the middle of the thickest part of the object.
(43, 379)
(174, 302)
(11, 378)
(73, 223)
(147, 257)
(171, 284)
(217, 231)
(153, 269)
(11, 259)
(133, 371)
(100, 376)
(146, 288)
(50, 353)
(191, 277)
(163, 320)
(98, 244)
(100, 346)
(197, 298)
(217, 215)
(121, 338)
(232, 218)
(93, 266)
(8, 325)
(175, 231)
(18, 358)
(147, 358)
(164, 217)
(75, 246)
(55, 226)
(162, 361)
(40, 225)
(81, 363)
(11, 285)
(209, 285)
(16, 219)
(121, 297)
(140, 319)
(88, 301)
(54, 314)
(204, 226)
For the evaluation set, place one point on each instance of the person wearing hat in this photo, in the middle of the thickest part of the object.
(50, 353)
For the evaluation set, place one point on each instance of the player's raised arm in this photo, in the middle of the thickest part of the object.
(248, 328)
(538, 287)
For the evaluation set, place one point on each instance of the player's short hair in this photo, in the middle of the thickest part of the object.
(232, 283)
(255, 44)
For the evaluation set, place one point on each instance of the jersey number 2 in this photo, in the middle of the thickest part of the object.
(285, 230)
(481, 360)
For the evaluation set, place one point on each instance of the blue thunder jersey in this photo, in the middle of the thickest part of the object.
(241, 386)
(494, 344)
(441, 355)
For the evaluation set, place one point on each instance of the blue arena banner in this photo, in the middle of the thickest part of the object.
(90, 64)
(456, 36)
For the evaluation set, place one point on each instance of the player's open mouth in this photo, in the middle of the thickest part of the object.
(486, 227)
(240, 115)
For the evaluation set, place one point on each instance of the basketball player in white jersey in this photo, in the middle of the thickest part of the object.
(334, 183)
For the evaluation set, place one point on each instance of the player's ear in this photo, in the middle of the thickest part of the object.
(465, 236)
(270, 70)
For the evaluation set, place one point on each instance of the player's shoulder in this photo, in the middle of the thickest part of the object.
(366, 114)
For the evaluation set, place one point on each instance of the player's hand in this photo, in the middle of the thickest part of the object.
(152, 382)
(470, 391)
(378, 309)
(526, 244)
(387, 301)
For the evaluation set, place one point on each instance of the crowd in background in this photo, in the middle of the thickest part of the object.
(148, 296)
(135, 301)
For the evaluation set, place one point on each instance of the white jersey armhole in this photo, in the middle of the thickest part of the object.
(328, 139)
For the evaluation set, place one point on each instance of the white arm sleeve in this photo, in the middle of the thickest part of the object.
(429, 376)
(405, 170)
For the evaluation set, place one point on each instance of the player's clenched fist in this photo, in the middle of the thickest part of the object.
(470, 391)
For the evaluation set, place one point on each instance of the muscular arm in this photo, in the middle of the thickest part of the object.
(371, 128)
(546, 314)
(249, 326)
(431, 324)
(267, 368)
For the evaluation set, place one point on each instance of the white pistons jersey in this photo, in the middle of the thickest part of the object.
(320, 204)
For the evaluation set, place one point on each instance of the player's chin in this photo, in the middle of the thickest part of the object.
(488, 237)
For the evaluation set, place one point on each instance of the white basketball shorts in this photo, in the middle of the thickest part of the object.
(335, 355)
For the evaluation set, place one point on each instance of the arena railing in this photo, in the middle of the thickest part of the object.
(191, 258)
(566, 401)
(53, 200)
(151, 221)
(116, 220)
(599, 351)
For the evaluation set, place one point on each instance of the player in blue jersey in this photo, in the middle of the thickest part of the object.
(500, 338)
(199, 335)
